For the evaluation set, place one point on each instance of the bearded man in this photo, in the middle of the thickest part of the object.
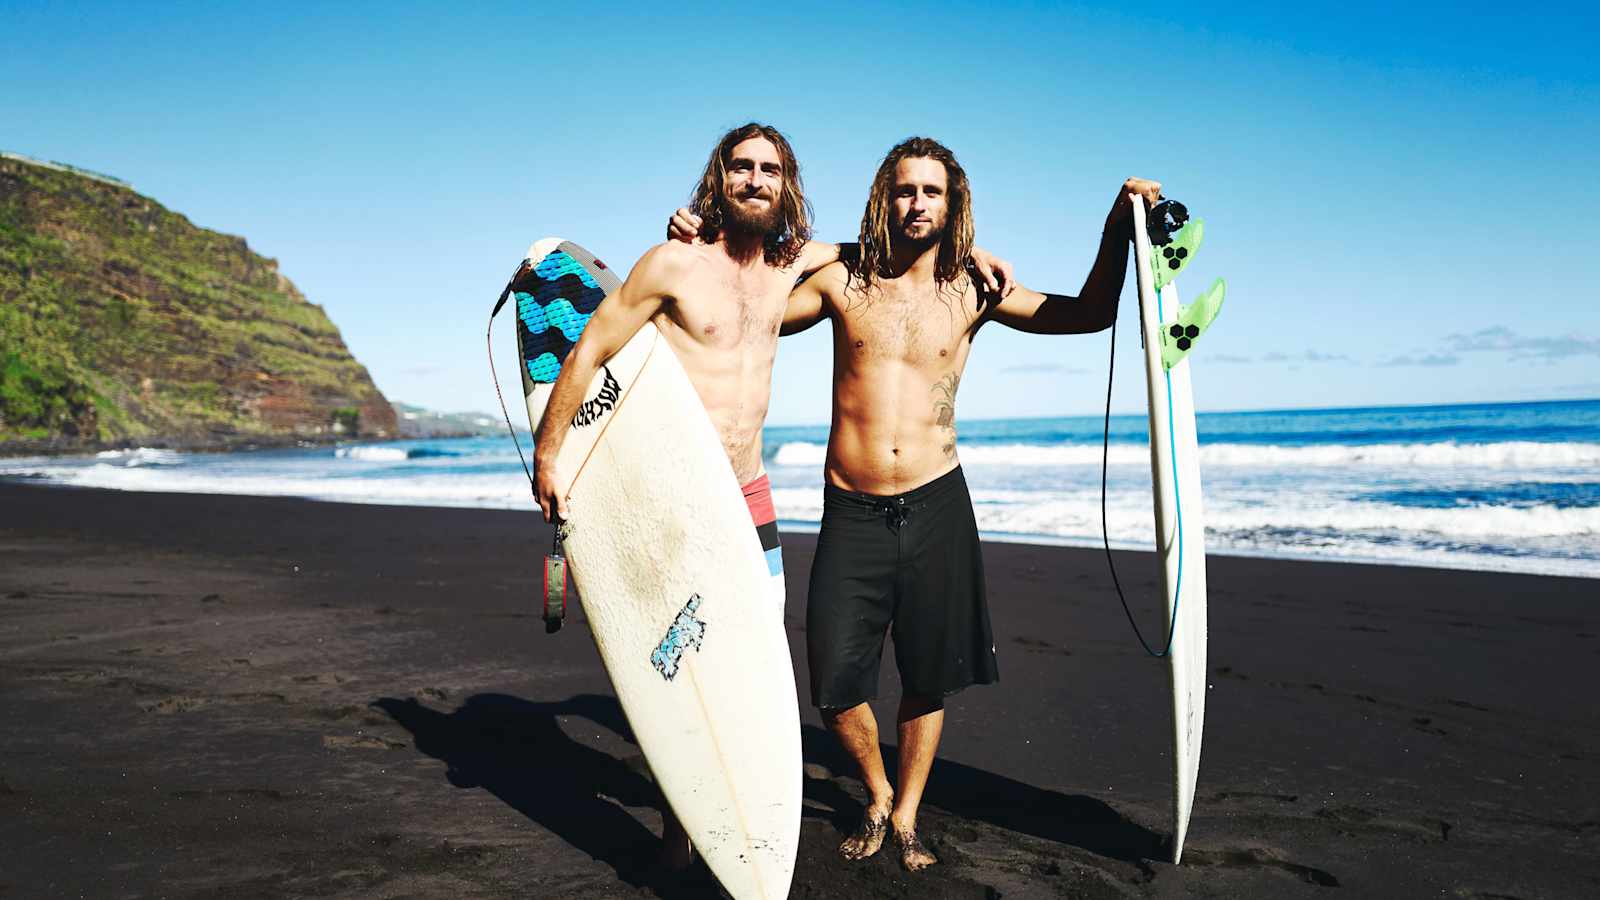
(719, 304)
(898, 547)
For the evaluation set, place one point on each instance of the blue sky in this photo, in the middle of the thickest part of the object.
(1399, 199)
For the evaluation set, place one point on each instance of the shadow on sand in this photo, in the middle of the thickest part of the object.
(966, 793)
(517, 750)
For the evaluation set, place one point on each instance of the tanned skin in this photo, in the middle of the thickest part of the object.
(719, 305)
(900, 349)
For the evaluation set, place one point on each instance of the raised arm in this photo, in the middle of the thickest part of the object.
(1095, 307)
(618, 318)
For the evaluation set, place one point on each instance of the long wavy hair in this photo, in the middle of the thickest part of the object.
(783, 245)
(877, 229)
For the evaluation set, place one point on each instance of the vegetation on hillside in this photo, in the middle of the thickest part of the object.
(121, 321)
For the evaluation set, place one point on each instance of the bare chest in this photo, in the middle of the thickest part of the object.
(742, 310)
(921, 328)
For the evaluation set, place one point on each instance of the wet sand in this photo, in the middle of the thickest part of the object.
(210, 696)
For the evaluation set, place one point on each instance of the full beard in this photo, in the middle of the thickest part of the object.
(905, 244)
(740, 220)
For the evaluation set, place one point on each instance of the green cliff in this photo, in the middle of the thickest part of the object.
(121, 322)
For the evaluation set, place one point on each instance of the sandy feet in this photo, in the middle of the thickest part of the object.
(913, 855)
(868, 837)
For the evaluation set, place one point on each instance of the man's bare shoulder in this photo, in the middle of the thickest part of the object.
(976, 302)
(668, 264)
(669, 256)
(815, 254)
(835, 274)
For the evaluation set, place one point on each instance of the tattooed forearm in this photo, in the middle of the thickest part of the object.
(944, 409)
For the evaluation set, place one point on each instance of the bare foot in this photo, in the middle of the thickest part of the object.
(913, 855)
(869, 834)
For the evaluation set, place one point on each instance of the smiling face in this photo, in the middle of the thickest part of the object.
(752, 186)
(919, 200)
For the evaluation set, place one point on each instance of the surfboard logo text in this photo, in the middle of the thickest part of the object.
(605, 401)
(684, 634)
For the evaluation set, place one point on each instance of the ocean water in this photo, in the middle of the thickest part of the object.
(1494, 486)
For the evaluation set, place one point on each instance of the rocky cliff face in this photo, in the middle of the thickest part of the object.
(122, 322)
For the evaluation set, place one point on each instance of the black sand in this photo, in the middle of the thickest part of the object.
(213, 696)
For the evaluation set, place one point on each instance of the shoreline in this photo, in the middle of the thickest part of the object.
(242, 696)
(795, 526)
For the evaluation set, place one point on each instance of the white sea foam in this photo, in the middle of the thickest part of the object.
(372, 454)
(1505, 455)
(488, 491)
(1129, 518)
(1323, 501)
(143, 456)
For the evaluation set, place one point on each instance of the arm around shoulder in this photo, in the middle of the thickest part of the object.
(808, 302)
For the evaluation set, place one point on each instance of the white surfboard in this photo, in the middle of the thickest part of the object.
(673, 580)
(1180, 528)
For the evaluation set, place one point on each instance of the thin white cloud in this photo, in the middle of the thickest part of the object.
(1314, 356)
(1432, 360)
(1307, 356)
(1500, 339)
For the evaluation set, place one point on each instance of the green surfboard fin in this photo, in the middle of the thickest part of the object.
(1168, 260)
(1178, 336)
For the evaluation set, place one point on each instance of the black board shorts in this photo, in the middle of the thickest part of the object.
(911, 562)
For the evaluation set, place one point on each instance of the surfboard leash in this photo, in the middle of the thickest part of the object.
(554, 608)
(1105, 531)
(489, 338)
(1169, 215)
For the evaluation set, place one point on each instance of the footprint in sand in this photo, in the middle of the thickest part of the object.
(1255, 795)
(169, 705)
(1258, 858)
(1034, 645)
(359, 742)
(1360, 819)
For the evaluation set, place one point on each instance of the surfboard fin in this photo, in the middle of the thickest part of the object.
(1168, 260)
(1178, 336)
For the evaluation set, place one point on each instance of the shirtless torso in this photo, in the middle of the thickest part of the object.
(719, 304)
(720, 310)
(722, 319)
(898, 547)
(899, 351)
(902, 343)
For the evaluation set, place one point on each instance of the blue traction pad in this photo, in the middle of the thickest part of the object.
(555, 300)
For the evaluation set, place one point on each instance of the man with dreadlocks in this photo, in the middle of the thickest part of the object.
(719, 303)
(898, 547)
